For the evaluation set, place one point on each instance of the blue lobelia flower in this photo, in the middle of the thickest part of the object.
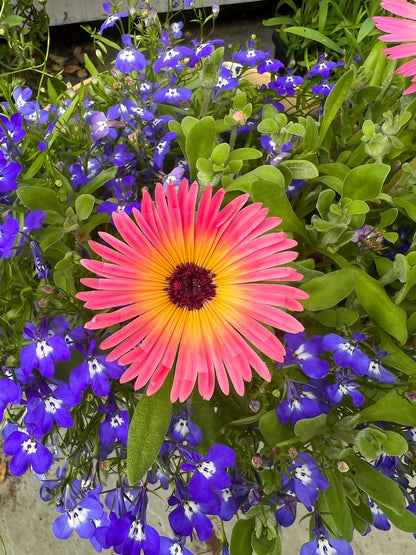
(170, 56)
(10, 392)
(189, 514)
(300, 404)
(41, 268)
(162, 148)
(376, 371)
(173, 547)
(380, 520)
(286, 509)
(95, 370)
(129, 59)
(347, 354)
(202, 50)
(176, 29)
(44, 350)
(112, 17)
(251, 56)
(172, 94)
(9, 172)
(323, 544)
(322, 67)
(49, 406)
(80, 518)
(269, 64)
(305, 479)
(182, 429)
(115, 426)
(26, 451)
(345, 385)
(209, 473)
(322, 88)
(286, 84)
(304, 352)
(294, 187)
(11, 131)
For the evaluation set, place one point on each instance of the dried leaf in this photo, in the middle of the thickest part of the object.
(60, 60)
(82, 73)
(3, 469)
(72, 68)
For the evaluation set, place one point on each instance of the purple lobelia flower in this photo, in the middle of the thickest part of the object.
(322, 67)
(182, 429)
(347, 354)
(189, 514)
(9, 172)
(170, 56)
(173, 547)
(101, 126)
(322, 88)
(305, 479)
(294, 187)
(380, 520)
(21, 97)
(8, 234)
(376, 371)
(129, 59)
(10, 392)
(95, 370)
(115, 426)
(42, 270)
(323, 544)
(202, 50)
(208, 472)
(286, 84)
(172, 94)
(299, 404)
(112, 17)
(48, 406)
(286, 509)
(162, 148)
(251, 56)
(269, 64)
(345, 385)
(176, 29)
(79, 518)
(11, 131)
(26, 451)
(44, 350)
(304, 352)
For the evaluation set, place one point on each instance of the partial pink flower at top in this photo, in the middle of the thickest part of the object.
(400, 30)
(191, 282)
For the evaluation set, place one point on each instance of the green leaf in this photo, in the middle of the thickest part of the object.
(336, 503)
(301, 169)
(366, 28)
(395, 444)
(147, 431)
(396, 357)
(240, 543)
(272, 430)
(200, 142)
(39, 198)
(408, 202)
(334, 102)
(245, 154)
(328, 290)
(83, 206)
(268, 173)
(90, 67)
(50, 236)
(314, 35)
(275, 199)
(308, 428)
(99, 180)
(35, 166)
(219, 154)
(11, 20)
(379, 306)
(365, 182)
(391, 408)
(405, 521)
(378, 486)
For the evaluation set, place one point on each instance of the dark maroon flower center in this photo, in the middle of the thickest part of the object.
(191, 286)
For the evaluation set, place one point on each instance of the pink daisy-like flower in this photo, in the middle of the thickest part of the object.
(400, 30)
(191, 282)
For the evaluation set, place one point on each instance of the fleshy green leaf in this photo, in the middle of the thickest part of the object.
(379, 306)
(39, 198)
(200, 142)
(147, 431)
(391, 408)
(240, 543)
(328, 290)
(365, 182)
(83, 206)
